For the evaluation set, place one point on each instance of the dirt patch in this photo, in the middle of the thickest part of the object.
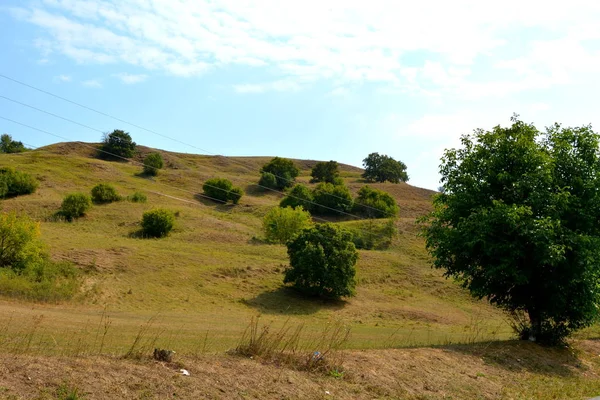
(97, 260)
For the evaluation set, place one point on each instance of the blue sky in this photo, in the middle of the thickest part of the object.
(323, 79)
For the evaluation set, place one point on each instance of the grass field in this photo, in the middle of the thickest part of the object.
(196, 291)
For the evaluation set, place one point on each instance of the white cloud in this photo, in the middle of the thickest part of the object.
(62, 78)
(339, 92)
(92, 83)
(349, 41)
(130, 79)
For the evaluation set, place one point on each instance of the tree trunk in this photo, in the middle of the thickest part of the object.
(536, 325)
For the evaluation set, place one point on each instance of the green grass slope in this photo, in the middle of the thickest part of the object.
(204, 282)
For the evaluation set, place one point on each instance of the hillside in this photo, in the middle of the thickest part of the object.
(197, 290)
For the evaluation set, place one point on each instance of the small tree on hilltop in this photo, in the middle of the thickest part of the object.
(322, 262)
(152, 163)
(284, 171)
(325, 172)
(299, 196)
(282, 224)
(117, 144)
(374, 203)
(517, 223)
(381, 168)
(8, 145)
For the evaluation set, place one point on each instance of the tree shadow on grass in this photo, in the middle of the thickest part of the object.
(522, 355)
(287, 301)
(256, 191)
(217, 205)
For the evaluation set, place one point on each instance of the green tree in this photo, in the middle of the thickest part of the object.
(325, 172)
(331, 199)
(157, 223)
(104, 193)
(284, 171)
(268, 180)
(282, 224)
(152, 163)
(299, 196)
(16, 183)
(75, 205)
(8, 145)
(221, 189)
(374, 203)
(117, 144)
(322, 262)
(381, 168)
(517, 223)
(19, 242)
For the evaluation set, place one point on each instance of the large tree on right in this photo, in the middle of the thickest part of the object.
(519, 223)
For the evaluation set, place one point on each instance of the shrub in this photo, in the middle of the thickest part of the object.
(299, 196)
(325, 172)
(268, 180)
(152, 163)
(375, 203)
(19, 242)
(282, 224)
(331, 199)
(322, 262)
(372, 234)
(157, 223)
(222, 190)
(284, 171)
(104, 193)
(137, 197)
(75, 205)
(16, 183)
(117, 144)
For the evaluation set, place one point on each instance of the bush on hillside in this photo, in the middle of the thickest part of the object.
(75, 205)
(322, 262)
(16, 183)
(299, 196)
(221, 189)
(104, 193)
(282, 224)
(374, 203)
(331, 199)
(137, 197)
(268, 180)
(117, 144)
(157, 223)
(325, 172)
(19, 242)
(284, 171)
(8, 145)
(152, 163)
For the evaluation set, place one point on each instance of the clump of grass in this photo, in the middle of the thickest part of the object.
(143, 342)
(67, 392)
(137, 197)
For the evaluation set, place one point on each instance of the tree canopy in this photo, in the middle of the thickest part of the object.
(517, 223)
(325, 172)
(117, 144)
(8, 145)
(381, 168)
(284, 171)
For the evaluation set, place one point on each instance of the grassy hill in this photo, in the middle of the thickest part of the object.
(197, 290)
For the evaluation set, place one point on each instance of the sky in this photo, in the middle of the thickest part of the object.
(325, 80)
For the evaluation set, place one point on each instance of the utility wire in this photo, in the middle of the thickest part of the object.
(147, 130)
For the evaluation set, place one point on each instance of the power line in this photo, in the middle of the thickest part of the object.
(159, 183)
(150, 131)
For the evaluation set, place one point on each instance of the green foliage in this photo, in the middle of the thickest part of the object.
(372, 234)
(137, 197)
(152, 163)
(518, 223)
(16, 183)
(157, 223)
(299, 196)
(268, 180)
(19, 242)
(331, 199)
(8, 145)
(104, 193)
(325, 172)
(381, 168)
(282, 224)
(283, 170)
(374, 203)
(322, 262)
(117, 144)
(222, 189)
(75, 205)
